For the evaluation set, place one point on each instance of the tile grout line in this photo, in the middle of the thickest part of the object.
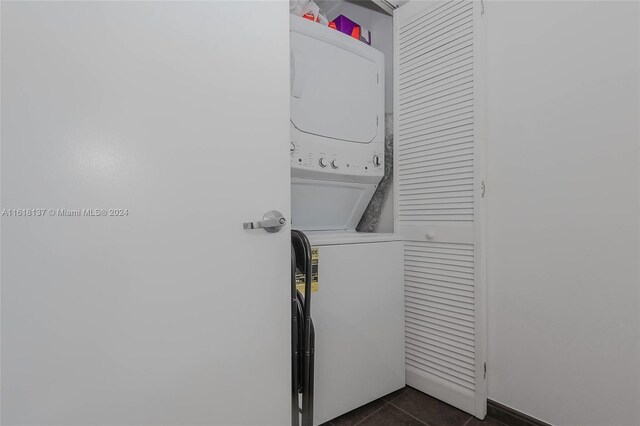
(408, 414)
(468, 420)
(383, 405)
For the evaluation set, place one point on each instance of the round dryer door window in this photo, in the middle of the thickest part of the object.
(334, 90)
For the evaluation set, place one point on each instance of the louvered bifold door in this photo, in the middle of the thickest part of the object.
(439, 197)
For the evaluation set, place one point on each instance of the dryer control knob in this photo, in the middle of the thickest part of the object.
(322, 162)
(334, 164)
(377, 160)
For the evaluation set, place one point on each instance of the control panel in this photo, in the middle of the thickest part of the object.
(339, 161)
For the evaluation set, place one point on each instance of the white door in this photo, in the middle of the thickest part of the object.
(165, 311)
(439, 163)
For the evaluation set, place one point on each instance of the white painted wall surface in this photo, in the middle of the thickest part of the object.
(563, 210)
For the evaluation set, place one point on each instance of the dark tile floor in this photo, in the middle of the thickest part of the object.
(409, 407)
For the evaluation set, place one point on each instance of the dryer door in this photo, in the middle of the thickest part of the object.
(324, 81)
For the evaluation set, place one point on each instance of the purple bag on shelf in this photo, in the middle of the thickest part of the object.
(350, 28)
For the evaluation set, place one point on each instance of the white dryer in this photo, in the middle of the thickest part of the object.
(337, 126)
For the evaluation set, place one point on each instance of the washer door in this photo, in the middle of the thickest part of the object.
(323, 205)
(334, 91)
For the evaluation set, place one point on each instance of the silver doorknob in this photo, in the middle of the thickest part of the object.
(272, 221)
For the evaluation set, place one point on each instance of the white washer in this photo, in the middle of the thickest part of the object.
(358, 315)
(337, 126)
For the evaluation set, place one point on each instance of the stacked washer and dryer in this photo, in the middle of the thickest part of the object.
(337, 161)
(337, 126)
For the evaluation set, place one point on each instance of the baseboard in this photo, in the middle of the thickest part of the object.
(511, 417)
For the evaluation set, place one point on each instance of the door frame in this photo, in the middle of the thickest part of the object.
(479, 203)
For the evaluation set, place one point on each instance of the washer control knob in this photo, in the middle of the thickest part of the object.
(377, 160)
(334, 164)
(322, 162)
(292, 148)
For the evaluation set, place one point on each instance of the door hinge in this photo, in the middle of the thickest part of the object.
(484, 189)
(377, 120)
(377, 78)
(485, 370)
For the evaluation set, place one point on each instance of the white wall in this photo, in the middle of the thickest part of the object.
(564, 210)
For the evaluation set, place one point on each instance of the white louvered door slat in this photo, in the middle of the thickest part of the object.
(439, 210)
